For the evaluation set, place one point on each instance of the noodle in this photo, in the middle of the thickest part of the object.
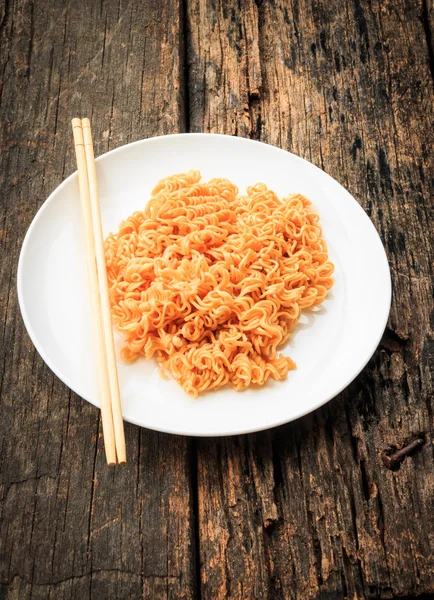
(212, 283)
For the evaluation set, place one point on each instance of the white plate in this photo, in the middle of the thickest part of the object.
(330, 345)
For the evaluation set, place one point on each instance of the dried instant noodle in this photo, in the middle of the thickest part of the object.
(212, 282)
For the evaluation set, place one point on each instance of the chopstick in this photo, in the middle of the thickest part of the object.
(111, 411)
(104, 295)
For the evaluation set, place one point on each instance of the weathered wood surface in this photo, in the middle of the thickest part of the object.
(71, 527)
(305, 511)
(310, 510)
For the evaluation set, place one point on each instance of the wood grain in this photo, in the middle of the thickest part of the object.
(309, 510)
(70, 526)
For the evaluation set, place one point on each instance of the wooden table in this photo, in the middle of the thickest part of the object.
(307, 510)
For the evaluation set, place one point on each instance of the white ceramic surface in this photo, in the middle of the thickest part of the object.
(331, 344)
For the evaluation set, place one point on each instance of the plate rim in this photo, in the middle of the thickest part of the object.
(236, 431)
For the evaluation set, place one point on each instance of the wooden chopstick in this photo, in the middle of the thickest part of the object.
(104, 295)
(107, 372)
(104, 387)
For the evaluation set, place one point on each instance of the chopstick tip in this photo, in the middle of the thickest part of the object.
(76, 122)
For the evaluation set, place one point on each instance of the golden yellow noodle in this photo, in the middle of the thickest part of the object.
(212, 283)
